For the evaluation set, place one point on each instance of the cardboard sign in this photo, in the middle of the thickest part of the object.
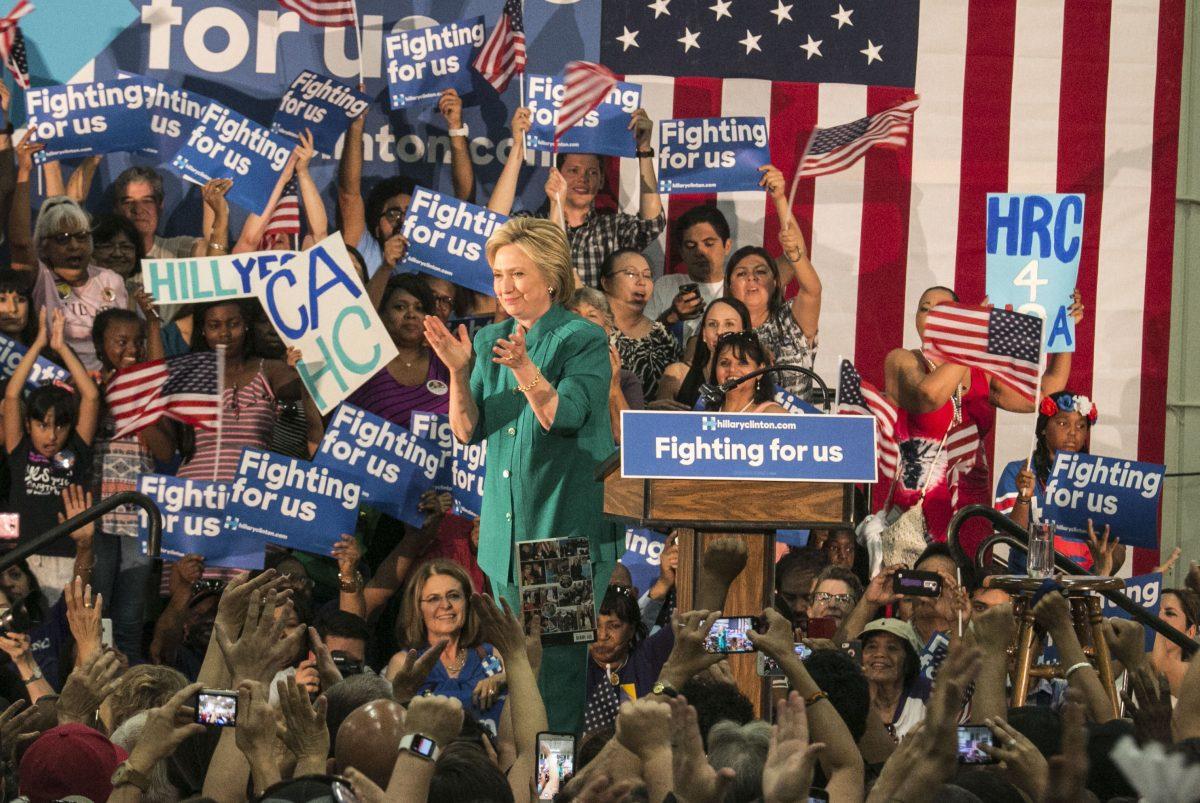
(323, 105)
(1145, 590)
(227, 145)
(463, 466)
(191, 280)
(1033, 248)
(392, 465)
(711, 154)
(174, 112)
(11, 354)
(290, 503)
(1122, 494)
(751, 446)
(421, 64)
(76, 120)
(447, 238)
(604, 130)
(643, 555)
(556, 585)
(192, 514)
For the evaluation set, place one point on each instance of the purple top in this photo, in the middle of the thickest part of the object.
(387, 398)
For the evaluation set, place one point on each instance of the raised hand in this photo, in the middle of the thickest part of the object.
(1107, 555)
(17, 726)
(791, 759)
(688, 657)
(26, 148)
(695, 779)
(439, 718)
(522, 121)
(214, 192)
(235, 600)
(186, 571)
(304, 151)
(83, 617)
(995, 628)
(1076, 309)
(1023, 763)
(327, 670)
(450, 107)
(165, 729)
(501, 628)
(510, 351)
(75, 501)
(395, 248)
(408, 671)
(454, 350)
(642, 127)
(556, 184)
(1151, 711)
(1168, 564)
(773, 181)
(723, 560)
(258, 721)
(348, 554)
(145, 303)
(306, 734)
(87, 686)
(1069, 769)
(644, 727)
(262, 648)
(1026, 483)
(777, 641)
(58, 330)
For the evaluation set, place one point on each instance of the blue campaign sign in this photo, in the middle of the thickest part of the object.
(173, 113)
(84, 119)
(748, 446)
(1033, 247)
(462, 468)
(227, 145)
(1123, 494)
(192, 513)
(446, 239)
(11, 352)
(392, 465)
(421, 64)
(604, 130)
(290, 503)
(711, 154)
(1146, 590)
(643, 552)
(323, 105)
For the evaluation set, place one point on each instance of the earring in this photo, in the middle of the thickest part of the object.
(550, 290)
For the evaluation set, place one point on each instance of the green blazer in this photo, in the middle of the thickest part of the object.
(540, 484)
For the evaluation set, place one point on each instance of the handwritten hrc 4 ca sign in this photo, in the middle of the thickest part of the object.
(313, 298)
(747, 446)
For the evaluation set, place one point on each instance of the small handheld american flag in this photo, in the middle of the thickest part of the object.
(324, 13)
(503, 54)
(857, 395)
(1005, 344)
(285, 217)
(585, 87)
(832, 149)
(186, 388)
(12, 43)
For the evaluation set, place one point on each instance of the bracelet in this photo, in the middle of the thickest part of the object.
(530, 386)
(1080, 665)
(351, 585)
(815, 696)
(216, 246)
(794, 259)
(1022, 500)
(647, 153)
(35, 677)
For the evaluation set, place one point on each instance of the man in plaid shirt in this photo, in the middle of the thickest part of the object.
(574, 182)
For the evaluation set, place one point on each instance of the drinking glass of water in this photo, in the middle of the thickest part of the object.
(1041, 549)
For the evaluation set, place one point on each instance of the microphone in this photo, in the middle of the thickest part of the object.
(713, 396)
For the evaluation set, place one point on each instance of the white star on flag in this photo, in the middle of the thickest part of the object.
(812, 47)
(689, 39)
(842, 16)
(750, 42)
(783, 12)
(871, 51)
(628, 39)
(660, 8)
(721, 9)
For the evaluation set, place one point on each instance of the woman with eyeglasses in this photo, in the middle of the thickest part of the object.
(754, 277)
(681, 381)
(835, 593)
(415, 379)
(67, 280)
(738, 354)
(436, 614)
(645, 346)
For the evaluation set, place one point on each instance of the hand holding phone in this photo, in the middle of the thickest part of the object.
(912, 583)
(217, 707)
(769, 668)
(555, 763)
(728, 635)
(821, 627)
(971, 740)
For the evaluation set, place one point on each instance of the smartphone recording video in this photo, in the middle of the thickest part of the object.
(556, 763)
(912, 583)
(728, 635)
(217, 707)
(971, 740)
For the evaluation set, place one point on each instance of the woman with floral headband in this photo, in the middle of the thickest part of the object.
(1064, 424)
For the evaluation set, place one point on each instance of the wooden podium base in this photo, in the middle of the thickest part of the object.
(750, 593)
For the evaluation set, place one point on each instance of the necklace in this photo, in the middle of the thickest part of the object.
(614, 678)
(462, 660)
(413, 361)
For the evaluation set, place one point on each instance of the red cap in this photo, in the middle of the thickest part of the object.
(70, 760)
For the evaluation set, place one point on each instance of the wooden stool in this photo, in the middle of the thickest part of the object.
(1086, 616)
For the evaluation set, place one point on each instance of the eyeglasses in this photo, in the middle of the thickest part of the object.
(63, 238)
(114, 245)
(443, 301)
(392, 215)
(822, 596)
(453, 597)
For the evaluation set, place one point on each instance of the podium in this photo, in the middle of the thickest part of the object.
(704, 510)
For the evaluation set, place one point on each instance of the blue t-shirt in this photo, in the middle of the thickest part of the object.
(1006, 496)
(475, 668)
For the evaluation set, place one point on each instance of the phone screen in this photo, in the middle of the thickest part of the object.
(970, 740)
(728, 635)
(217, 707)
(767, 667)
(912, 583)
(556, 763)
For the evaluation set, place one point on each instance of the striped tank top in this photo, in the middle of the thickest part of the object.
(247, 417)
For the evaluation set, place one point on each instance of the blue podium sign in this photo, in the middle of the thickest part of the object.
(747, 446)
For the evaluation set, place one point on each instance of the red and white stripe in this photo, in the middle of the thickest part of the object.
(136, 401)
(502, 55)
(959, 333)
(891, 127)
(585, 85)
(1016, 96)
(324, 13)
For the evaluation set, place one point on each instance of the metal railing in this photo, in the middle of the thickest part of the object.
(154, 540)
(1015, 537)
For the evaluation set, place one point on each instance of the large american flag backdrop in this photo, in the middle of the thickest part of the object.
(1016, 96)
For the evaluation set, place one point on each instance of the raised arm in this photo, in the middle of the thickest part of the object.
(14, 414)
(89, 394)
(256, 225)
(20, 220)
(505, 191)
(351, 208)
(462, 171)
(216, 240)
(917, 390)
(806, 306)
(310, 196)
(80, 182)
(1053, 613)
(649, 203)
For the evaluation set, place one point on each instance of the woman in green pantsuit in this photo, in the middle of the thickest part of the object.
(538, 393)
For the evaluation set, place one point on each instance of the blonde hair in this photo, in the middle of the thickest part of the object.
(143, 687)
(545, 244)
(410, 626)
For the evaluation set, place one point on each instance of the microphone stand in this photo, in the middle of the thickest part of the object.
(714, 395)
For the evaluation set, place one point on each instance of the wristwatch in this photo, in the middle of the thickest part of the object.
(459, 132)
(648, 153)
(662, 687)
(420, 745)
(125, 774)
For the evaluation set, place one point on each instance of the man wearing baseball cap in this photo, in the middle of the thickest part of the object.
(69, 762)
